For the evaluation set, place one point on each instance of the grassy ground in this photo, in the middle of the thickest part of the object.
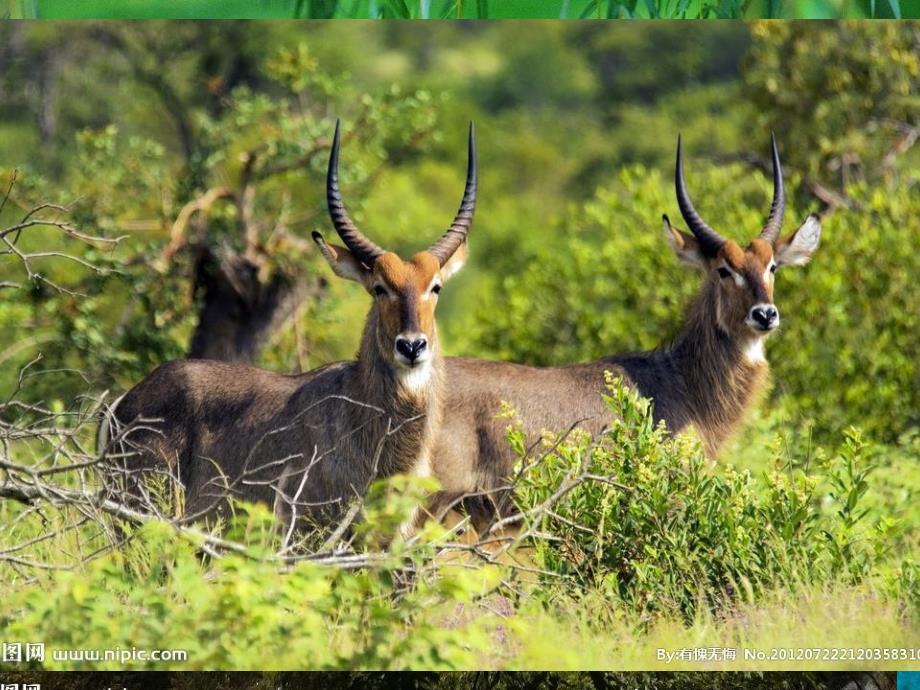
(829, 622)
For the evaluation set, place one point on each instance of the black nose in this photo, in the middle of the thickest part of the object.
(765, 316)
(411, 349)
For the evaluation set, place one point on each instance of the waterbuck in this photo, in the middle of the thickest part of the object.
(307, 444)
(707, 377)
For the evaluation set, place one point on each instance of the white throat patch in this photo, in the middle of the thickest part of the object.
(416, 379)
(754, 352)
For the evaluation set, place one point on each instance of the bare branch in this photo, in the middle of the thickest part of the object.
(37, 217)
(203, 204)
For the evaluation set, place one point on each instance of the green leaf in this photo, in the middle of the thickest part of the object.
(589, 10)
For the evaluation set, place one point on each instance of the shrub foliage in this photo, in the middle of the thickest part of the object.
(649, 522)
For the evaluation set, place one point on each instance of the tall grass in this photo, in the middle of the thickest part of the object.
(460, 9)
(597, 635)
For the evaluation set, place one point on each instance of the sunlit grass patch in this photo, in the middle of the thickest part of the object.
(832, 618)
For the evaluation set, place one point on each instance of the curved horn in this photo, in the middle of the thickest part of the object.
(363, 249)
(775, 219)
(444, 248)
(710, 241)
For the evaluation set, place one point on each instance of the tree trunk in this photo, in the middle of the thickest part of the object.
(240, 310)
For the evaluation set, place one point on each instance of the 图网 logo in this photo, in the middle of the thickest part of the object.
(22, 652)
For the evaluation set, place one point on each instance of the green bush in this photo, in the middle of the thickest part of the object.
(839, 96)
(644, 519)
(659, 533)
(242, 612)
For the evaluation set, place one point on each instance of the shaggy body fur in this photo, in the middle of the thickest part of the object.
(703, 379)
(308, 443)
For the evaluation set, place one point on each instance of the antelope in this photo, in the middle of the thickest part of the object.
(306, 444)
(707, 377)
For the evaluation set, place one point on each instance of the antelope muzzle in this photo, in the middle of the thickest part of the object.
(763, 317)
(411, 349)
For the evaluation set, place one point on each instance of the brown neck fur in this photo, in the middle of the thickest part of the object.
(399, 422)
(721, 384)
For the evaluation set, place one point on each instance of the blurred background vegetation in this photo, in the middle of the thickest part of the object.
(203, 145)
(460, 9)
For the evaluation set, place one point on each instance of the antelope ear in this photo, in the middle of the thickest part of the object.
(685, 245)
(455, 262)
(797, 248)
(343, 262)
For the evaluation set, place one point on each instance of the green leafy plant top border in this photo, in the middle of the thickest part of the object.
(459, 9)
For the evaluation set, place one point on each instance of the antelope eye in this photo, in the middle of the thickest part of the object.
(724, 272)
(773, 268)
(436, 288)
(379, 290)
